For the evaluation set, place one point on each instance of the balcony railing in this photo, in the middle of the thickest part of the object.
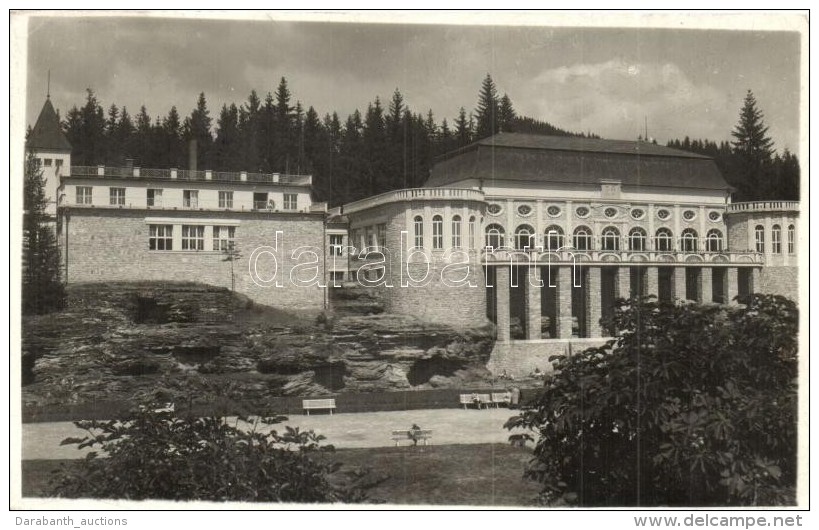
(762, 206)
(413, 194)
(613, 257)
(189, 175)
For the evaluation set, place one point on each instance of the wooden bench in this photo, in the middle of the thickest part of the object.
(499, 398)
(318, 404)
(475, 399)
(408, 434)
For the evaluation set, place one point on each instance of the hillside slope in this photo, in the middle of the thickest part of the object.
(194, 343)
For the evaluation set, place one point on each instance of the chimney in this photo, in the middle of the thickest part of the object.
(192, 154)
(129, 163)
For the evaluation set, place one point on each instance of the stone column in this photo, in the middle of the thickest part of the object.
(533, 303)
(705, 289)
(502, 279)
(730, 285)
(593, 302)
(564, 302)
(624, 282)
(679, 283)
(652, 281)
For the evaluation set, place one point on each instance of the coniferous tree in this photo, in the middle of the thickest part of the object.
(43, 292)
(171, 145)
(125, 134)
(488, 112)
(198, 127)
(375, 143)
(753, 149)
(284, 126)
(506, 115)
(226, 146)
(463, 130)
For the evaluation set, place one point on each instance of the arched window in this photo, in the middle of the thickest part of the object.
(456, 231)
(582, 238)
(776, 239)
(688, 241)
(495, 236)
(471, 242)
(418, 223)
(437, 232)
(525, 237)
(791, 239)
(553, 238)
(713, 241)
(663, 240)
(637, 240)
(759, 236)
(610, 239)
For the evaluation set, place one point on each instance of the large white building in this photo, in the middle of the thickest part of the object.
(537, 234)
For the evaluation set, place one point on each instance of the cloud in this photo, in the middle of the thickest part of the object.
(613, 99)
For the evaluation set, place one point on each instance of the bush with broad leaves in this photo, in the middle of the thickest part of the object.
(688, 406)
(158, 455)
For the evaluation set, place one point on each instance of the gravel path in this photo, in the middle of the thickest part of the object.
(365, 429)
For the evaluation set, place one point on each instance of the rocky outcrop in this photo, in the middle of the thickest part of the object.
(190, 342)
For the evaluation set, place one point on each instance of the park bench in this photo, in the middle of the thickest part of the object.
(475, 399)
(318, 404)
(499, 398)
(422, 435)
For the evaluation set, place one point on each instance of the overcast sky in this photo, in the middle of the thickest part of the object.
(603, 80)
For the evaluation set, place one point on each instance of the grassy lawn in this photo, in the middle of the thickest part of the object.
(466, 475)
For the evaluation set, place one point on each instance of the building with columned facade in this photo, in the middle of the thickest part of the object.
(537, 234)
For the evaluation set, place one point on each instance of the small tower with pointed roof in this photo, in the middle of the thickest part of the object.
(51, 147)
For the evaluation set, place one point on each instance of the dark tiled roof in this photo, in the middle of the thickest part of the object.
(572, 160)
(586, 145)
(47, 133)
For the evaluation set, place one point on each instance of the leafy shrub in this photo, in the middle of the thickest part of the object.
(689, 405)
(156, 455)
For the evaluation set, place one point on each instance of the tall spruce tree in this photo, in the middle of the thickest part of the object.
(488, 111)
(43, 292)
(753, 150)
(506, 115)
(197, 127)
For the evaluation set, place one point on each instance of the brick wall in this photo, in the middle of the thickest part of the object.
(519, 358)
(780, 280)
(435, 299)
(112, 245)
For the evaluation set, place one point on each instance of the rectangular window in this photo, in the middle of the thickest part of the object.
(370, 240)
(193, 237)
(776, 243)
(47, 162)
(290, 201)
(224, 238)
(437, 232)
(791, 239)
(336, 244)
(58, 162)
(456, 232)
(225, 199)
(381, 234)
(161, 237)
(190, 198)
(84, 195)
(419, 232)
(759, 237)
(117, 196)
(260, 202)
(154, 197)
